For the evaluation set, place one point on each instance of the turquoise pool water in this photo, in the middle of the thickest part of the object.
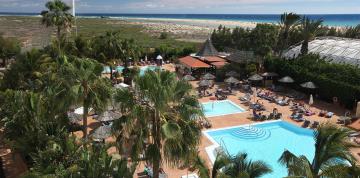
(219, 108)
(266, 142)
(121, 68)
(146, 68)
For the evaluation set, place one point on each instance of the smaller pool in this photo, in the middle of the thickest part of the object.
(121, 68)
(219, 108)
(146, 68)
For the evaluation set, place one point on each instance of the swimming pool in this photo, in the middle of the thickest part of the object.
(121, 68)
(263, 141)
(219, 108)
(146, 68)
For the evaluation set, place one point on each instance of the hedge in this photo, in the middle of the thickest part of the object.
(333, 80)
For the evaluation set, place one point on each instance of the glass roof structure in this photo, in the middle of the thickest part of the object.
(333, 49)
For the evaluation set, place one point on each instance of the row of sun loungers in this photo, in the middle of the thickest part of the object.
(307, 124)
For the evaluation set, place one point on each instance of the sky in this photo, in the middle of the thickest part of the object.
(195, 6)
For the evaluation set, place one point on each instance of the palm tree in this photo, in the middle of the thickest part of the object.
(57, 15)
(287, 22)
(331, 155)
(83, 77)
(309, 29)
(108, 48)
(238, 166)
(130, 53)
(161, 118)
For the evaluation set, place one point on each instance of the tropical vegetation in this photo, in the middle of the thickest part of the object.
(332, 156)
(343, 84)
(160, 116)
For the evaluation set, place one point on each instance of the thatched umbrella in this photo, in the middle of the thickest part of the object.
(269, 74)
(232, 80)
(188, 78)
(256, 77)
(205, 83)
(102, 132)
(108, 116)
(309, 85)
(232, 74)
(286, 79)
(208, 76)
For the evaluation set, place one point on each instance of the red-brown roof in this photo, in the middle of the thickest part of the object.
(193, 62)
(219, 64)
(214, 59)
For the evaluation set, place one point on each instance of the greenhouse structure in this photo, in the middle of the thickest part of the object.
(333, 49)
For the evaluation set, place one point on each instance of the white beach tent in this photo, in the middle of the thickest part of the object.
(159, 57)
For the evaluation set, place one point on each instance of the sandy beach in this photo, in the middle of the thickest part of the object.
(184, 29)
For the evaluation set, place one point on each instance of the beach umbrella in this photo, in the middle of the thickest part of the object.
(188, 78)
(205, 83)
(232, 80)
(269, 74)
(256, 77)
(159, 57)
(121, 85)
(208, 76)
(232, 74)
(309, 85)
(102, 132)
(311, 100)
(286, 79)
(109, 115)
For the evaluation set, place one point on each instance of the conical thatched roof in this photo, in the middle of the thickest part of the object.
(208, 49)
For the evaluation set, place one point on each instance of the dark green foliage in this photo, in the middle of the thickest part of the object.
(333, 80)
(244, 70)
(262, 39)
(172, 53)
(9, 48)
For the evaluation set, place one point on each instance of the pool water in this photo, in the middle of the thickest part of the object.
(219, 108)
(264, 141)
(146, 68)
(120, 69)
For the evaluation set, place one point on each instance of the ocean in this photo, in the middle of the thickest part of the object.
(341, 20)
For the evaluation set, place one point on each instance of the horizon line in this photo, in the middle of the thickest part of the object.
(130, 13)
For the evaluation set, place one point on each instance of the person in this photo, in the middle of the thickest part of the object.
(275, 111)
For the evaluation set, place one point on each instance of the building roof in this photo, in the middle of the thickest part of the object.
(333, 49)
(219, 64)
(242, 57)
(213, 59)
(208, 49)
(193, 62)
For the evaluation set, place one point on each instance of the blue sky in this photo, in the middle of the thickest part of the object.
(195, 6)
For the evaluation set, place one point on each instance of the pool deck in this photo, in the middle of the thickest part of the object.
(14, 168)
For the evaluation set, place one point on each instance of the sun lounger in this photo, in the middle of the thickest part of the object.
(315, 124)
(329, 114)
(190, 176)
(306, 124)
(283, 102)
(247, 97)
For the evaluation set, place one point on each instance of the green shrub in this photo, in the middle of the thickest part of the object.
(333, 80)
